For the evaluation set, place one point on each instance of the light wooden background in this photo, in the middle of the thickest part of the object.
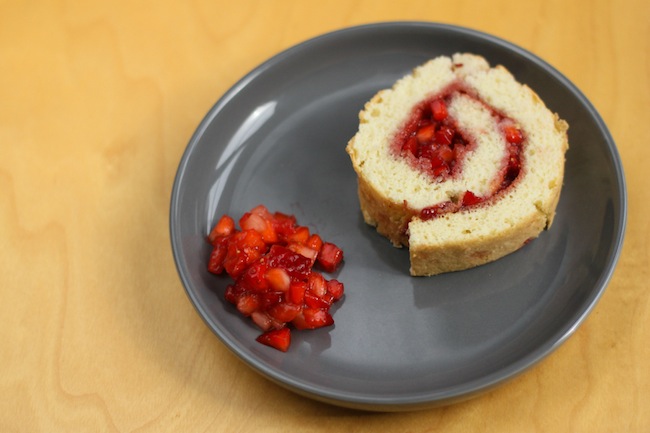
(98, 100)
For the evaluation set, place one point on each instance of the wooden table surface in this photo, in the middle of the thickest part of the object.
(98, 100)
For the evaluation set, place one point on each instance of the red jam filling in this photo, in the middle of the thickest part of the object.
(432, 142)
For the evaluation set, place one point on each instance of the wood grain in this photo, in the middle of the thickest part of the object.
(97, 102)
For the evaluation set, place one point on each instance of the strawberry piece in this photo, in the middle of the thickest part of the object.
(262, 320)
(304, 251)
(299, 322)
(262, 211)
(437, 209)
(284, 225)
(436, 160)
(441, 170)
(285, 312)
(297, 290)
(441, 159)
(445, 153)
(233, 292)
(335, 288)
(254, 221)
(278, 279)
(513, 134)
(459, 149)
(282, 218)
(469, 198)
(279, 339)
(314, 242)
(244, 248)
(439, 109)
(426, 152)
(312, 318)
(330, 257)
(269, 299)
(296, 265)
(425, 134)
(224, 227)
(410, 146)
(316, 284)
(247, 303)
(314, 301)
(444, 135)
(300, 235)
(218, 255)
(254, 277)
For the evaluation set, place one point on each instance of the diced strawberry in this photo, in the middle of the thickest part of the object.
(444, 135)
(268, 299)
(218, 255)
(335, 288)
(278, 279)
(262, 320)
(445, 153)
(296, 265)
(469, 198)
(300, 235)
(299, 322)
(330, 257)
(317, 318)
(304, 251)
(262, 211)
(247, 303)
(410, 146)
(314, 242)
(441, 170)
(426, 152)
(316, 284)
(513, 134)
(254, 221)
(234, 263)
(279, 339)
(314, 301)
(439, 109)
(297, 291)
(233, 292)
(254, 277)
(437, 209)
(285, 312)
(436, 160)
(459, 150)
(284, 225)
(244, 248)
(312, 318)
(282, 218)
(224, 227)
(425, 134)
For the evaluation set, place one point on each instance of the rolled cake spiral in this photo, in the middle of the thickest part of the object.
(459, 162)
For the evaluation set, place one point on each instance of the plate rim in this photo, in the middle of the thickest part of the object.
(465, 390)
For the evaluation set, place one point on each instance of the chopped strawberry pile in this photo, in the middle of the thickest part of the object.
(272, 261)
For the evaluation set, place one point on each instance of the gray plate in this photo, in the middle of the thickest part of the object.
(277, 137)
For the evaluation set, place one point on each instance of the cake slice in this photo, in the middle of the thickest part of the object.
(458, 162)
